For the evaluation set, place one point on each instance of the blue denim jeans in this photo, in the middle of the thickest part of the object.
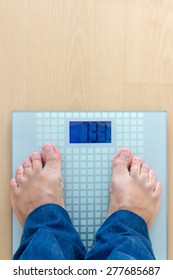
(48, 234)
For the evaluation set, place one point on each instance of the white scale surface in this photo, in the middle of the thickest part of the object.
(86, 168)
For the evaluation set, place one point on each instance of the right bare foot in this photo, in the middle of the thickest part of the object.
(134, 187)
(36, 185)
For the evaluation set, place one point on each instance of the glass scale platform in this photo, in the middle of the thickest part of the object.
(88, 141)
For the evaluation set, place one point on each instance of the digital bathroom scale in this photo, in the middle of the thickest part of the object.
(88, 141)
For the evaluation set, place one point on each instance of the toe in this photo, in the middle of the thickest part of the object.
(135, 168)
(145, 171)
(13, 185)
(152, 179)
(157, 190)
(51, 157)
(145, 168)
(36, 160)
(27, 166)
(19, 174)
(122, 161)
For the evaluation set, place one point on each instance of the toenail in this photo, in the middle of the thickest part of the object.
(137, 160)
(125, 154)
(20, 169)
(27, 163)
(13, 180)
(48, 149)
(152, 174)
(145, 167)
(35, 154)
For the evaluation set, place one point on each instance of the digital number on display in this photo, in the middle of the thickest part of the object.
(90, 132)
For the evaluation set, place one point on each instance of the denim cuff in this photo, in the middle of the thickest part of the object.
(123, 235)
(46, 216)
(49, 234)
(130, 220)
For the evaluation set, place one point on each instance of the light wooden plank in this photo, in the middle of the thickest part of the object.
(76, 54)
(149, 41)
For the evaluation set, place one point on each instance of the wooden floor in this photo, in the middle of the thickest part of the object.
(83, 55)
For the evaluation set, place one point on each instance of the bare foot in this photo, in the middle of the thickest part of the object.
(134, 187)
(36, 185)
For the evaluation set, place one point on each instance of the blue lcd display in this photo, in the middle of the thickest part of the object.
(90, 132)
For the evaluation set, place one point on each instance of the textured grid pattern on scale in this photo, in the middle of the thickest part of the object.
(86, 169)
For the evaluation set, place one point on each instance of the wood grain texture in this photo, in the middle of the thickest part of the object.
(82, 55)
(149, 56)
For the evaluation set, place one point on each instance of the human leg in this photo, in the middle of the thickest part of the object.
(37, 200)
(134, 203)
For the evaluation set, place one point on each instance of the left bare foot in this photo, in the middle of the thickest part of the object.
(36, 185)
